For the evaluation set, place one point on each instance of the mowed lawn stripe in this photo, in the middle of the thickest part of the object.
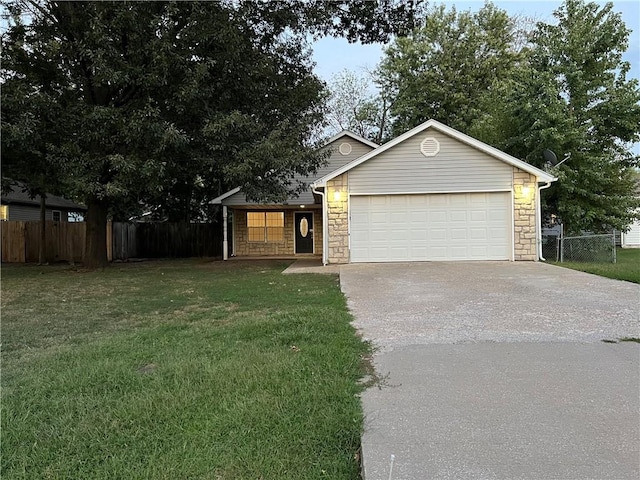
(245, 374)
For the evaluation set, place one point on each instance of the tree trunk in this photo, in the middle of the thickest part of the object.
(42, 249)
(95, 253)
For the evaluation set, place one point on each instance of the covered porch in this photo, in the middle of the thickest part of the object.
(272, 231)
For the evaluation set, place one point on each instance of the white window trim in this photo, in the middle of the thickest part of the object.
(266, 238)
(53, 212)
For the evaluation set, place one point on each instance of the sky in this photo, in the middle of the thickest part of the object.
(334, 55)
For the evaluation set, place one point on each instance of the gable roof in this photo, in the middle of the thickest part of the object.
(19, 195)
(218, 199)
(308, 196)
(355, 136)
(451, 132)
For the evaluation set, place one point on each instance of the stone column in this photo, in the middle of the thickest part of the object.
(524, 214)
(338, 219)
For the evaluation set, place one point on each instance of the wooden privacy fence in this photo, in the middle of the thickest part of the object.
(21, 241)
(162, 240)
(65, 241)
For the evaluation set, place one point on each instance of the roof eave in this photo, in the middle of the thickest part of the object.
(354, 136)
(541, 175)
(218, 200)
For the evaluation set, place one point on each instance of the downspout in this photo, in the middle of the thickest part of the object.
(539, 219)
(325, 221)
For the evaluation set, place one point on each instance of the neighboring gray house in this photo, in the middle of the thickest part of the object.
(432, 193)
(18, 205)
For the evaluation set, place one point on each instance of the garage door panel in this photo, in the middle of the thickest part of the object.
(377, 200)
(418, 216)
(398, 200)
(437, 253)
(379, 217)
(399, 235)
(436, 235)
(419, 251)
(438, 216)
(381, 236)
(467, 226)
(456, 200)
(459, 234)
(401, 253)
(479, 234)
(400, 218)
(496, 234)
(495, 215)
(459, 252)
(458, 216)
(418, 201)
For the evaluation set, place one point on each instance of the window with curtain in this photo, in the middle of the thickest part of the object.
(265, 226)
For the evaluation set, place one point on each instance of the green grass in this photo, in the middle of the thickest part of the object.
(178, 369)
(627, 266)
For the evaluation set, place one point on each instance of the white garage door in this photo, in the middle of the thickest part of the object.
(457, 226)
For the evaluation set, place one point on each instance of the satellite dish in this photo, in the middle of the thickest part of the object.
(550, 157)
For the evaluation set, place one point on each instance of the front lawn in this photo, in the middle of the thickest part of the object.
(178, 369)
(627, 266)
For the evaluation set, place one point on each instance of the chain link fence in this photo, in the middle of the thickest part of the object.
(586, 248)
(550, 247)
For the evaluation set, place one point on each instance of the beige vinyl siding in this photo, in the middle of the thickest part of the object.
(457, 167)
(335, 161)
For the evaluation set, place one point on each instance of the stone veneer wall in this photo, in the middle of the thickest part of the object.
(524, 216)
(338, 219)
(286, 247)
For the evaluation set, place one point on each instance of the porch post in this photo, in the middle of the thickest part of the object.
(225, 243)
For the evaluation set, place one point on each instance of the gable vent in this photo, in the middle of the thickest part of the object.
(429, 147)
(345, 148)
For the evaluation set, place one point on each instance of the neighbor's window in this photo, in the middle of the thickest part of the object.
(57, 215)
(4, 212)
(265, 226)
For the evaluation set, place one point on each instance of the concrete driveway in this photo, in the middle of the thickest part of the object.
(498, 370)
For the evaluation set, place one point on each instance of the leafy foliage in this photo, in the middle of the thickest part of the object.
(168, 103)
(353, 105)
(572, 96)
(565, 88)
(443, 69)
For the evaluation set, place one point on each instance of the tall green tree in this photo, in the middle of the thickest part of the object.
(30, 129)
(172, 101)
(444, 68)
(573, 96)
(353, 104)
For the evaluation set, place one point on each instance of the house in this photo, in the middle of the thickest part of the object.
(631, 238)
(431, 194)
(18, 205)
